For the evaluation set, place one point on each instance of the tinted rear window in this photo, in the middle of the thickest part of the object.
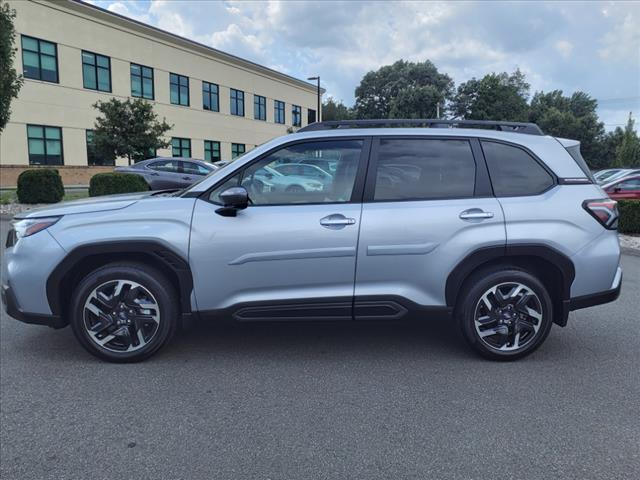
(420, 169)
(513, 171)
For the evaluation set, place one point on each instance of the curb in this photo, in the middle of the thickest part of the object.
(630, 251)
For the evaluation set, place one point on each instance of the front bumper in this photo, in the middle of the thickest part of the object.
(13, 310)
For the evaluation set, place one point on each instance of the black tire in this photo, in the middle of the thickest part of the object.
(504, 278)
(151, 280)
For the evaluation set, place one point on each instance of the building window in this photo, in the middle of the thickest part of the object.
(138, 157)
(259, 107)
(96, 72)
(311, 116)
(278, 114)
(180, 147)
(45, 145)
(141, 81)
(237, 102)
(39, 59)
(296, 113)
(210, 96)
(211, 151)
(237, 149)
(93, 158)
(179, 89)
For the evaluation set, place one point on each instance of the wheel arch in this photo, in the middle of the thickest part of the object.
(552, 267)
(86, 258)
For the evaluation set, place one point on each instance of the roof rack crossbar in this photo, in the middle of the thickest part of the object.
(517, 127)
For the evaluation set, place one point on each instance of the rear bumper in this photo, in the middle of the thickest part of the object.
(598, 298)
(13, 310)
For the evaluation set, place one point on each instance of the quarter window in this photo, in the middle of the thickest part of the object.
(237, 102)
(211, 151)
(513, 171)
(45, 145)
(93, 157)
(296, 113)
(180, 147)
(237, 149)
(210, 96)
(278, 111)
(96, 72)
(39, 59)
(423, 169)
(179, 89)
(267, 185)
(141, 81)
(259, 107)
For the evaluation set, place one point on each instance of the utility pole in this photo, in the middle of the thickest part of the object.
(319, 97)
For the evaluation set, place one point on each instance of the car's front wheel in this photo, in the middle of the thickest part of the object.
(505, 314)
(124, 312)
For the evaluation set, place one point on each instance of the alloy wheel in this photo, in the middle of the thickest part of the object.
(508, 316)
(121, 316)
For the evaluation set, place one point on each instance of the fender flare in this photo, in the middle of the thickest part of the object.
(484, 255)
(160, 253)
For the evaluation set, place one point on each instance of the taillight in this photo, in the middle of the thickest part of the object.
(604, 210)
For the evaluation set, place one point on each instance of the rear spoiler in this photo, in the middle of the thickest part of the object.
(573, 148)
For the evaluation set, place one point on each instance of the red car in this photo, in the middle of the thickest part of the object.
(626, 188)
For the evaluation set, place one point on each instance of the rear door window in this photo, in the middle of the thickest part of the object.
(513, 171)
(423, 169)
(170, 166)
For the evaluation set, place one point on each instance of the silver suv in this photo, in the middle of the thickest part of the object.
(491, 224)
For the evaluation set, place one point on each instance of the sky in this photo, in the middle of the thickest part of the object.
(590, 46)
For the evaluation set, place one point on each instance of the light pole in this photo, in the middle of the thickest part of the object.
(319, 95)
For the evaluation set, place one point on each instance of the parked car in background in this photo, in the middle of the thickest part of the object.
(625, 188)
(166, 173)
(268, 179)
(328, 165)
(607, 176)
(307, 171)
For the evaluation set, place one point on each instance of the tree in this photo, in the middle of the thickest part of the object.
(335, 110)
(402, 90)
(128, 129)
(628, 153)
(10, 81)
(571, 117)
(609, 145)
(496, 96)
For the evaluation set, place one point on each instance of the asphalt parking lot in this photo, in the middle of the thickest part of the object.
(334, 401)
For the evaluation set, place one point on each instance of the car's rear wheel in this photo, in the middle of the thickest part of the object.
(505, 314)
(124, 312)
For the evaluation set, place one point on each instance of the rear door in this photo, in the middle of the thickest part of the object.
(427, 204)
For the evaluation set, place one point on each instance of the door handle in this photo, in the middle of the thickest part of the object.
(337, 220)
(475, 214)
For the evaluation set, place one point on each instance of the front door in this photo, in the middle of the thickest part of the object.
(292, 252)
(427, 205)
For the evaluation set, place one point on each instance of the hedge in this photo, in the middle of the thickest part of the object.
(110, 183)
(40, 185)
(629, 216)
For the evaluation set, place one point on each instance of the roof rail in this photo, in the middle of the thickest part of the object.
(517, 127)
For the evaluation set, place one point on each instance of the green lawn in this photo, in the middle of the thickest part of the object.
(9, 196)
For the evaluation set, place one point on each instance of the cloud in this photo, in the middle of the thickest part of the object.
(564, 48)
(592, 46)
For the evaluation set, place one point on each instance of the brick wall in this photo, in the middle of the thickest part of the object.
(71, 175)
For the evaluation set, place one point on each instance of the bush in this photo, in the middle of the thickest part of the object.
(629, 216)
(110, 183)
(40, 185)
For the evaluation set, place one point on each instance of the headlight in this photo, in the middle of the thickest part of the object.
(28, 226)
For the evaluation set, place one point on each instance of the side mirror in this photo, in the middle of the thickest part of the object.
(233, 199)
